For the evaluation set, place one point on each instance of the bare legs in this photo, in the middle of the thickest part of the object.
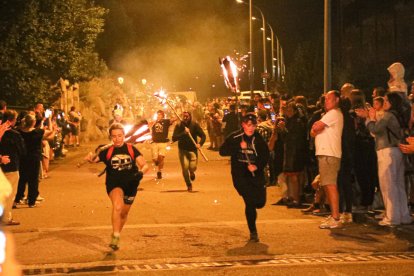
(120, 210)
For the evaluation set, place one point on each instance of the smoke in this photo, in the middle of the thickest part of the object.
(177, 43)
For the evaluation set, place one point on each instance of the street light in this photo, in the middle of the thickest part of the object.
(264, 75)
(251, 75)
(272, 39)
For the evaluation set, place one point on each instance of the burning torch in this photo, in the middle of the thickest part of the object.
(232, 82)
(163, 99)
(230, 74)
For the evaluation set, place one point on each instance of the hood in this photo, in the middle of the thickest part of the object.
(396, 70)
(396, 82)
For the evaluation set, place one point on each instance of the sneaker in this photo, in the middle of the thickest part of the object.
(254, 237)
(320, 212)
(295, 205)
(12, 222)
(32, 206)
(159, 175)
(379, 216)
(192, 176)
(331, 223)
(346, 217)
(39, 198)
(114, 243)
(385, 223)
(308, 210)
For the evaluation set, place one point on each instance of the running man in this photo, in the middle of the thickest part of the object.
(160, 139)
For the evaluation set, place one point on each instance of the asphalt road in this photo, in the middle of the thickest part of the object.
(170, 231)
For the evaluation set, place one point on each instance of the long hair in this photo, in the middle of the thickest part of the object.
(395, 101)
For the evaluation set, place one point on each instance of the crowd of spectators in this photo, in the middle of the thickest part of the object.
(33, 138)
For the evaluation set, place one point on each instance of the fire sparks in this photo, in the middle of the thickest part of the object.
(230, 73)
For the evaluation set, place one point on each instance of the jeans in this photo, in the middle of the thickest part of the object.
(188, 161)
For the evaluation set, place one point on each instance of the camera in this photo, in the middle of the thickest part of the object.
(273, 117)
(48, 112)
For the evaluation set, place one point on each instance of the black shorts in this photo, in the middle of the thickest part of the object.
(130, 190)
(74, 130)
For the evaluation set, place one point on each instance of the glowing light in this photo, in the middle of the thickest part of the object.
(127, 128)
(230, 73)
(120, 80)
(144, 81)
(168, 148)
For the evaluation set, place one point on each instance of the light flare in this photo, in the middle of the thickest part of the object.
(230, 73)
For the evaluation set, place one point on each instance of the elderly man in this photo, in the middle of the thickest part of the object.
(328, 134)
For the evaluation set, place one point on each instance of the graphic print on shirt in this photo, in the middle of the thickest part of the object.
(158, 128)
(121, 162)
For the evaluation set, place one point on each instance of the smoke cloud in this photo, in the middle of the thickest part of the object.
(176, 43)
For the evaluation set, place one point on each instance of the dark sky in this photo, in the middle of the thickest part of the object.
(176, 43)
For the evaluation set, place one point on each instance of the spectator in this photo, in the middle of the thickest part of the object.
(230, 121)
(388, 135)
(295, 154)
(3, 108)
(74, 122)
(11, 145)
(30, 164)
(327, 132)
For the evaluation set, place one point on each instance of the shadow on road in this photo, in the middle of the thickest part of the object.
(250, 248)
(177, 191)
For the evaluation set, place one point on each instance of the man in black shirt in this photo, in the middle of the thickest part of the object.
(11, 145)
(159, 131)
(187, 149)
(231, 121)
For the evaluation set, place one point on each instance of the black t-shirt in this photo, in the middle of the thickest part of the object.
(160, 131)
(120, 168)
(33, 143)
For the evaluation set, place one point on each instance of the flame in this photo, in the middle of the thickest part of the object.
(127, 128)
(140, 135)
(230, 73)
(144, 138)
(162, 96)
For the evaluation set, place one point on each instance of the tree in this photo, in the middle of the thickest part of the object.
(305, 74)
(42, 41)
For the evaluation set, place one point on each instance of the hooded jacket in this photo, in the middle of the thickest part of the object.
(396, 82)
(184, 141)
(257, 153)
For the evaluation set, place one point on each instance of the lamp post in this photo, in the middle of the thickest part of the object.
(264, 74)
(272, 40)
(251, 68)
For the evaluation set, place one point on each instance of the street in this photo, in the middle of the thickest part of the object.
(171, 231)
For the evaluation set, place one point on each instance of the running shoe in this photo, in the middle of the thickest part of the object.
(114, 243)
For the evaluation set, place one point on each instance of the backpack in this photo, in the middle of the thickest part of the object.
(111, 151)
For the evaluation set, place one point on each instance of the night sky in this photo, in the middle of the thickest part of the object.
(176, 43)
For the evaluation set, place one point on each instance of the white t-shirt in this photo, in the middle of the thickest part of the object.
(328, 142)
